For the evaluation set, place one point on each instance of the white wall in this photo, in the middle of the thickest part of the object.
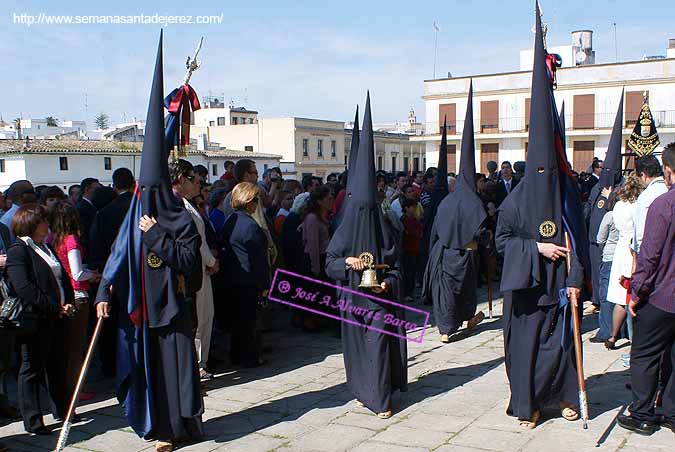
(15, 169)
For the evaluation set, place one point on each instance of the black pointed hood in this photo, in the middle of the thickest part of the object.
(362, 228)
(461, 213)
(610, 176)
(354, 148)
(537, 197)
(440, 190)
(467, 159)
(611, 171)
(362, 189)
(534, 211)
(157, 197)
(441, 183)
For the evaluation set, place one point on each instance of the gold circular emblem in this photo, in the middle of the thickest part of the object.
(547, 229)
(153, 260)
(601, 204)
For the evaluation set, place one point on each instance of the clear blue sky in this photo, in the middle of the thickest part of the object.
(302, 58)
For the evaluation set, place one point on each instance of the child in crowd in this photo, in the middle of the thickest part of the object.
(411, 245)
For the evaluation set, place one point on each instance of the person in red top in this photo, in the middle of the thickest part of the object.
(229, 171)
(411, 246)
(65, 227)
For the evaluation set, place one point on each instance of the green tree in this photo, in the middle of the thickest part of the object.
(52, 121)
(101, 120)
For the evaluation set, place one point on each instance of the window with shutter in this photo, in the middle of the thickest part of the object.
(452, 158)
(488, 152)
(584, 111)
(583, 155)
(634, 101)
(449, 112)
(489, 116)
(527, 114)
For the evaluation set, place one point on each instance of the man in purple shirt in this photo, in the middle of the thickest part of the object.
(653, 307)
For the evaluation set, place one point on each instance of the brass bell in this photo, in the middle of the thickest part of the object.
(369, 279)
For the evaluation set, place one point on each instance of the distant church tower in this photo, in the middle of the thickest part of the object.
(412, 118)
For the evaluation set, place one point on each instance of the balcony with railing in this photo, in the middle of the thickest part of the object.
(520, 124)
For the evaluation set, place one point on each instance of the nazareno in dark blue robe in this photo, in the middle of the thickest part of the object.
(539, 350)
(158, 376)
(450, 278)
(375, 363)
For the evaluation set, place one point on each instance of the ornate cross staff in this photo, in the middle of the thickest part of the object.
(192, 64)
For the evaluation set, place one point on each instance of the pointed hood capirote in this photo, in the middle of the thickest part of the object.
(461, 213)
(154, 183)
(537, 197)
(158, 201)
(439, 192)
(610, 176)
(362, 228)
(354, 148)
(611, 170)
(441, 182)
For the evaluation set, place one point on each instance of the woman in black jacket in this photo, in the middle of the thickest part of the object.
(245, 265)
(36, 277)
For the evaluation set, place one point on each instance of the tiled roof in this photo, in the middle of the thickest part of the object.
(50, 146)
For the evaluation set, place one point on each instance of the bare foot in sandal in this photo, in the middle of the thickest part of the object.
(163, 446)
(568, 411)
(385, 415)
(532, 423)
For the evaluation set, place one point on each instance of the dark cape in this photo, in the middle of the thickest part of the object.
(537, 320)
(439, 192)
(376, 363)
(610, 177)
(450, 278)
(153, 273)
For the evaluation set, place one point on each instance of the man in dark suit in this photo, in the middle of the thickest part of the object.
(506, 183)
(106, 225)
(107, 221)
(588, 184)
(87, 212)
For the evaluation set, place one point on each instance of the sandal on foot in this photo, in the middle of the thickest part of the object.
(385, 414)
(359, 403)
(531, 423)
(445, 338)
(610, 344)
(475, 320)
(568, 412)
(163, 446)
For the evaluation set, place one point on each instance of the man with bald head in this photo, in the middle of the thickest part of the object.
(20, 192)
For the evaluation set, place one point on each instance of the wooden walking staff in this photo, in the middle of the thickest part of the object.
(65, 430)
(583, 399)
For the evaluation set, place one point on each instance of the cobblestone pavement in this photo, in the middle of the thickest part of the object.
(298, 402)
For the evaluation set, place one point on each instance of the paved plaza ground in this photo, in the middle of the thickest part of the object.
(298, 402)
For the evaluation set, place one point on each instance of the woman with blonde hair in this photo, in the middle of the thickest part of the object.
(245, 263)
(622, 265)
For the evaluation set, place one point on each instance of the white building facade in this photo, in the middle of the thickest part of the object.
(65, 163)
(38, 128)
(306, 146)
(590, 93)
